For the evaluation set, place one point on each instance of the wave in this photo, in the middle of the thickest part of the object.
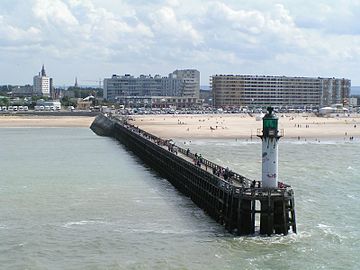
(330, 233)
(322, 142)
(352, 196)
(83, 222)
(262, 240)
(164, 231)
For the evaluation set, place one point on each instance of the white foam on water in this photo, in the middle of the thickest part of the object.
(323, 226)
(270, 240)
(315, 142)
(329, 231)
(351, 196)
(82, 223)
(162, 231)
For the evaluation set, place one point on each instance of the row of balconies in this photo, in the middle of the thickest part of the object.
(277, 78)
(267, 95)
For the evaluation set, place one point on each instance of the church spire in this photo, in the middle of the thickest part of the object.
(43, 73)
(76, 82)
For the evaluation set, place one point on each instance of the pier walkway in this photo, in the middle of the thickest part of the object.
(240, 204)
(228, 178)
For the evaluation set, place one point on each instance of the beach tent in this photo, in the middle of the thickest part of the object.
(88, 98)
(326, 110)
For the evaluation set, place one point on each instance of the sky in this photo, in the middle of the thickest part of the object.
(93, 39)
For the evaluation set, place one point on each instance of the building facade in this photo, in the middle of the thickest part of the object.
(22, 91)
(159, 102)
(191, 80)
(42, 84)
(252, 90)
(180, 83)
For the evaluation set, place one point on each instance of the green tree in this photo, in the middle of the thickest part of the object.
(4, 101)
(66, 102)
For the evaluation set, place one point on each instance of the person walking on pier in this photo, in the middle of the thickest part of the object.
(253, 184)
(175, 149)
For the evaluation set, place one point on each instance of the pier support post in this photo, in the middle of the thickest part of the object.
(267, 216)
(281, 216)
(234, 205)
(245, 226)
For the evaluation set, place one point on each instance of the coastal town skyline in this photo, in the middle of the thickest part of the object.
(93, 39)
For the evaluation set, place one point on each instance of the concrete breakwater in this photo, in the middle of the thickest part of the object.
(243, 206)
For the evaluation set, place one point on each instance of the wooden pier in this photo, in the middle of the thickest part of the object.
(238, 203)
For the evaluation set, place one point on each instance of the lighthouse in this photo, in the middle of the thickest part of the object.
(270, 137)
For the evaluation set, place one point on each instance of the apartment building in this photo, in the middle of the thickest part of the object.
(253, 90)
(181, 83)
(145, 85)
(191, 80)
(42, 84)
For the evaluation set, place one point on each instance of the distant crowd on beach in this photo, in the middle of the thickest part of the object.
(244, 126)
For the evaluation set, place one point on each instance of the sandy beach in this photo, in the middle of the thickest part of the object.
(241, 126)
(45, 121)
(234, 126)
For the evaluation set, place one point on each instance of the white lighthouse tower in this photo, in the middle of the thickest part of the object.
(270, 136)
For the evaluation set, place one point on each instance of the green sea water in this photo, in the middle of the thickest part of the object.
(72, 200)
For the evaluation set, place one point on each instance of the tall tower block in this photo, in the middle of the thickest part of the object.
(270, 137)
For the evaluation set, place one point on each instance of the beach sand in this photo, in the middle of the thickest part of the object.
(234, 126)
(45, 121)
(241, 126)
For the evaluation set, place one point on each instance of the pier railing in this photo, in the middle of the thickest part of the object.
(234, 182)
(259, 132)
(243, 206)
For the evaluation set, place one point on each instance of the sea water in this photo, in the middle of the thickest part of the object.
(72, 200)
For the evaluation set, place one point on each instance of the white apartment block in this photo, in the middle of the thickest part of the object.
(42, 84)
(191, 79)
(180, 83)
(118, 87)
(253, 90)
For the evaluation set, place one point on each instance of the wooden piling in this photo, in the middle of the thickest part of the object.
(230, 203)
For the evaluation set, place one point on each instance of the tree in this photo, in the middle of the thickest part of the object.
(66, 102)
(4, 101)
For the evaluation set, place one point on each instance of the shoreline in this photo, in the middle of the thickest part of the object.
(245, 127)
(208, 126)
(44, 121)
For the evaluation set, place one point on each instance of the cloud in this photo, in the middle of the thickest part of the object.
(312, 38)
(172, 29)
(252, 34)
(12, 35)
(54, 11)
(247, 21)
